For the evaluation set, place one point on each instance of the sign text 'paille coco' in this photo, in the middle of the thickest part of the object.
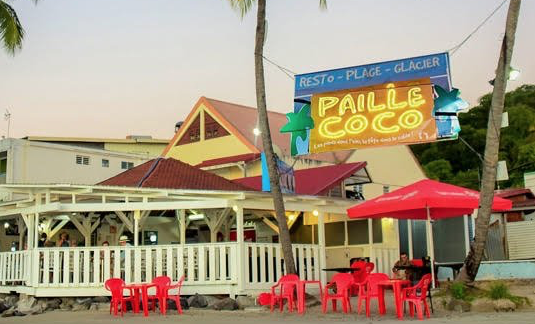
(387, 114)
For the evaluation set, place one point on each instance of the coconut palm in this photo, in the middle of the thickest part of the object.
(11, 32)
(243, 7)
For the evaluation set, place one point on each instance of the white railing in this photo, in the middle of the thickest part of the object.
(384, 259)
(264, 263)
(14, 267)
(91, 267)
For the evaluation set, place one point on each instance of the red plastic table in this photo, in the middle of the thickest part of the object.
(143, 287)
(301, 290)
(396, 284)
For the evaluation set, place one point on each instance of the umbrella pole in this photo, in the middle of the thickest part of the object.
(431, 247)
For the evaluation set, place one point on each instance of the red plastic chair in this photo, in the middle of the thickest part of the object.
(117, 287)
(358, 276)
(161, 283)
(417, 262)
(370, 290)
(286, 285)
(416, 296)
(343, 283)
(173, 297)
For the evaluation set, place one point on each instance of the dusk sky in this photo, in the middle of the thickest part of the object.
(119, 67)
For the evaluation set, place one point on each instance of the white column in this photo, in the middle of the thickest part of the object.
(466, 234)
(409, 235)
(241, 249)
(430, 246)
(396, 224)
(321, 245)
(182, 220)
(370, 242)
(137, 216)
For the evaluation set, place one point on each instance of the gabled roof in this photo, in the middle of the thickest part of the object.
(240, 120)
(511, 192)
(171, 174)
(230, 159)
(314, 181)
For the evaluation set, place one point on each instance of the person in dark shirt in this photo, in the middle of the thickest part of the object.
(42, 240)
(402, 262)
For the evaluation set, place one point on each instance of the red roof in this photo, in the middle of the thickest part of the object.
(230, 159)
(244, 119)
(521, 197)
(313, 181)
(171, 174)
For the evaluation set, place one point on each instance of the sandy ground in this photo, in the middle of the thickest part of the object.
(314, 315)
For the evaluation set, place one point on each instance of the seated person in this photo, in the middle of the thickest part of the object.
(403, 261)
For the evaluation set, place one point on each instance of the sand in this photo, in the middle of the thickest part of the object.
(313, 316)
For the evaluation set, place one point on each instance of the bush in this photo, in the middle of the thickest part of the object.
(499, 290)
(459, 291)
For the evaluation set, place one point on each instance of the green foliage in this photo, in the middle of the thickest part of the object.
(459, 291)
(11, 32)
(499, 290)
(454, 162)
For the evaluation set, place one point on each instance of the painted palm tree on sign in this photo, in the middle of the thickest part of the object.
(11, 31)
(243, 7)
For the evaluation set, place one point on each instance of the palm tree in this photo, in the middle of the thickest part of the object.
(11, 32)
(243, 7)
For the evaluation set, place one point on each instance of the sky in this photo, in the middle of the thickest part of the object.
(105, 68)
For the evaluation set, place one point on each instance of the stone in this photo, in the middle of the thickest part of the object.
(183, 302)
(11, 300)
(10, 312)
(93, 307)
(197, 301)
(100, 299)
(226, 304)
(53, 303)
(311, 301)
(504, 305)
(457, 305)
(245, 301)
(27, 304)
(211, 300)
(3, 307)
(482, 305)
(80, 307)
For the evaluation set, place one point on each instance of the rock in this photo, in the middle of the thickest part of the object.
(211, 300)
(172, 306)
(3, 307)
(66, 303)
(197, 301)
(100, 299)
(80, 307)
(10, 312)
(504, 305)
(11, 300)
(482, 305)
(311, 301)
(226, 304)
(27, 304)
(93, 307)
(53, 303)
(245, 301)
(458, 305)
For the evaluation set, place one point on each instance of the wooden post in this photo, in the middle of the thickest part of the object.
(241, 249)
(321, 245)
(137, 216)
(181, 214)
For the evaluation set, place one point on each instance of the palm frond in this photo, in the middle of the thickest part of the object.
(323, 4)
(242, 6)
(11, 32)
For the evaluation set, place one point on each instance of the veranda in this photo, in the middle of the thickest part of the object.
(219, 266)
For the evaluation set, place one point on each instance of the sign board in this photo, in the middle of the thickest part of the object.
(387, 114)
(286, 176)
(435, 68)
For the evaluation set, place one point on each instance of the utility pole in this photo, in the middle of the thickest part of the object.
(7, 116)
(492, 145)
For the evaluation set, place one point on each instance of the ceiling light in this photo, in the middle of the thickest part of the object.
(235, 208)
(513, 74)
(315, 213)
(196, 217)
(256, 131)
(6, 225)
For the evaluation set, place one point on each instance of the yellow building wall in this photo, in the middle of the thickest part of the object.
(393, 165)
(152, 150)
(215, 148)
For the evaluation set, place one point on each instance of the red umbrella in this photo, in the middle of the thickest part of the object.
(413, 201)
(425, 200)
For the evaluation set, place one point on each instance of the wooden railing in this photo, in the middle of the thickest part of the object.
(264, 263)
(79, 267)
(14, 267)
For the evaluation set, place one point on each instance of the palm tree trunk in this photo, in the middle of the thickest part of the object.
(474, 257)
(284, 233)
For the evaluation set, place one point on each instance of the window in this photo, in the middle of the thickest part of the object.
(127, 165)
(105, 163)
(82, 159)
(357, 232)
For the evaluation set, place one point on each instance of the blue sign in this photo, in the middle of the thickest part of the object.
(435, 66)
(286, 176)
